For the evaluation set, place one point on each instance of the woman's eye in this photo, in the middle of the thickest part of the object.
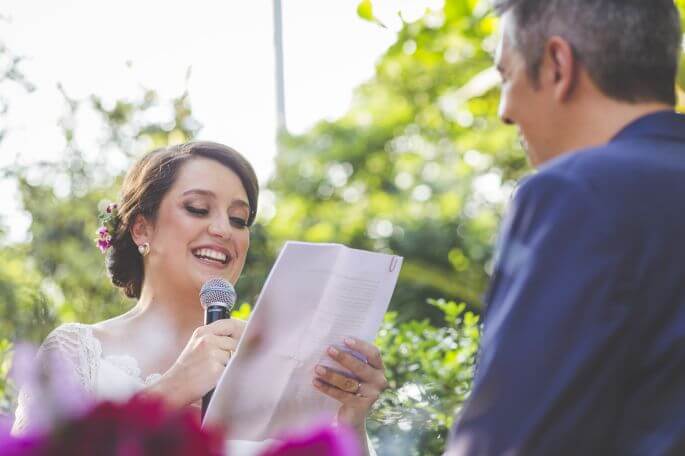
(197, 210)
(238, 222)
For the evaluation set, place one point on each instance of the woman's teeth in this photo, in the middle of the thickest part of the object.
(210, 254)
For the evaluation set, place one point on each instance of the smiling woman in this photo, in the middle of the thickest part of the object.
(190, 196)
(184, 217)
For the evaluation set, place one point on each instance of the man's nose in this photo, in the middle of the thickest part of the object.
(503, 112)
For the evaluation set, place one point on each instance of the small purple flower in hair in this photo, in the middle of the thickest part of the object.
(105, 240)
(108, 218)
(103, 245)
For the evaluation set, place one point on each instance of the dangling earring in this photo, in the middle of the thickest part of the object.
(144, 249)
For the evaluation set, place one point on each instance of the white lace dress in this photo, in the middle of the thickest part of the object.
(113, 377)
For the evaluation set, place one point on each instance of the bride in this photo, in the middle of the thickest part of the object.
(184, 217)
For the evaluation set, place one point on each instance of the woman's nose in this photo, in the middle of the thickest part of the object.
(220, 227)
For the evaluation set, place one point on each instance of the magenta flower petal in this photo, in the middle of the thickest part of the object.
(22, 446)
(53, 390)
(319, 441)
(103, 245)
(102, 231)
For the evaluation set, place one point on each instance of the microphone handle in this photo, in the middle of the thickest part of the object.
(213, 313)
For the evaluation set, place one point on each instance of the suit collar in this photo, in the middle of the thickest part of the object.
(663, 124)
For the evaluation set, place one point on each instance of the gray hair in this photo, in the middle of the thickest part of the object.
(630, 48)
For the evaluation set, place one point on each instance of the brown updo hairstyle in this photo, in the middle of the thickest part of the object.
(142, 192)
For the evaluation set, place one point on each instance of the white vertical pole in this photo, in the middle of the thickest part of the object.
(280, 79)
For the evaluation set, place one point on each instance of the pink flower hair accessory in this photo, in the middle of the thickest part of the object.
(109, 220)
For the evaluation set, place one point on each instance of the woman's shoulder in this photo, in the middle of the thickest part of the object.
(71, 340)
(112, 331)
(68, 333)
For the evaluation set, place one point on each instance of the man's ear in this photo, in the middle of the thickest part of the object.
(563, 67)
(141, 230)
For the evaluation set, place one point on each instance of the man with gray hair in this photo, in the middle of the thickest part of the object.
(583, 346)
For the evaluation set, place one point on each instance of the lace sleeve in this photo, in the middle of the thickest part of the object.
(68, 355)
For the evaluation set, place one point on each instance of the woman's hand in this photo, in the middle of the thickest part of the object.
(200, 364)
(356, 397)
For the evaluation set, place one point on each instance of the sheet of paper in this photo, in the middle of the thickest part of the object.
(315, 295)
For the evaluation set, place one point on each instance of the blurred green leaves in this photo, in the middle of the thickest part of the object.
(7, 393)
(430, 369)
(26, 309)
(365, 10)
(420, 166)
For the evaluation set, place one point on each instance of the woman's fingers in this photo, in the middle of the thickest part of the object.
(347, 384)
(356, 395)
(223, 342)
(221, 356)
(370, 378)
(227, 327)
(336, 379)
(367, 373)
(370, 351)
(349, 361)
(335, 393)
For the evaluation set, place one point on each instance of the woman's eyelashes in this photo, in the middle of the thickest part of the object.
(196, 210)
(236, 221)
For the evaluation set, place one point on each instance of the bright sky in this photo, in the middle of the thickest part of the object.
(85, 45)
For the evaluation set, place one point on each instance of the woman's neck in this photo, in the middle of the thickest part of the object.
(180, 312)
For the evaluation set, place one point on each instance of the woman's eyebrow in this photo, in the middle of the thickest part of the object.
(199, 191)
(238, 202)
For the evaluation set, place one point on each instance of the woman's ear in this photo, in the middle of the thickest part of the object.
(141, 230)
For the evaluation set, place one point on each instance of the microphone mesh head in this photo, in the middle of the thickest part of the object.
(219, 291)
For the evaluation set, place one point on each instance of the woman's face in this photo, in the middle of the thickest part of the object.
(201, 228)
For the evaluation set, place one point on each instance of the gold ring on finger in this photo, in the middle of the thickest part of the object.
(358, 389)
(350, 387)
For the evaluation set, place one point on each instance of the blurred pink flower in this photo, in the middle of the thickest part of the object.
(319, 441)
(139, 427)
(48, 385)
(21, 446)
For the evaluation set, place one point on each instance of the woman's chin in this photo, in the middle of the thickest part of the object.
(201, 271)
(201, 275)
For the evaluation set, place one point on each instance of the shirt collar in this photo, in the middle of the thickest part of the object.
(663, 124)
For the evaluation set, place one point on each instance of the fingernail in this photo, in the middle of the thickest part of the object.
(349, 341)
(333, 351)
(320, 370)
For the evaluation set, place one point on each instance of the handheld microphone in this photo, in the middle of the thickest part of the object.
(217, 297)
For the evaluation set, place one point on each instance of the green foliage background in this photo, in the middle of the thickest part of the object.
(419, 166)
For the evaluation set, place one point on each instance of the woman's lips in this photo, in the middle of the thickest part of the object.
(213, 263)
(216, 257)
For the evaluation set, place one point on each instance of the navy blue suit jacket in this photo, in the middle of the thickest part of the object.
(583, 345)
